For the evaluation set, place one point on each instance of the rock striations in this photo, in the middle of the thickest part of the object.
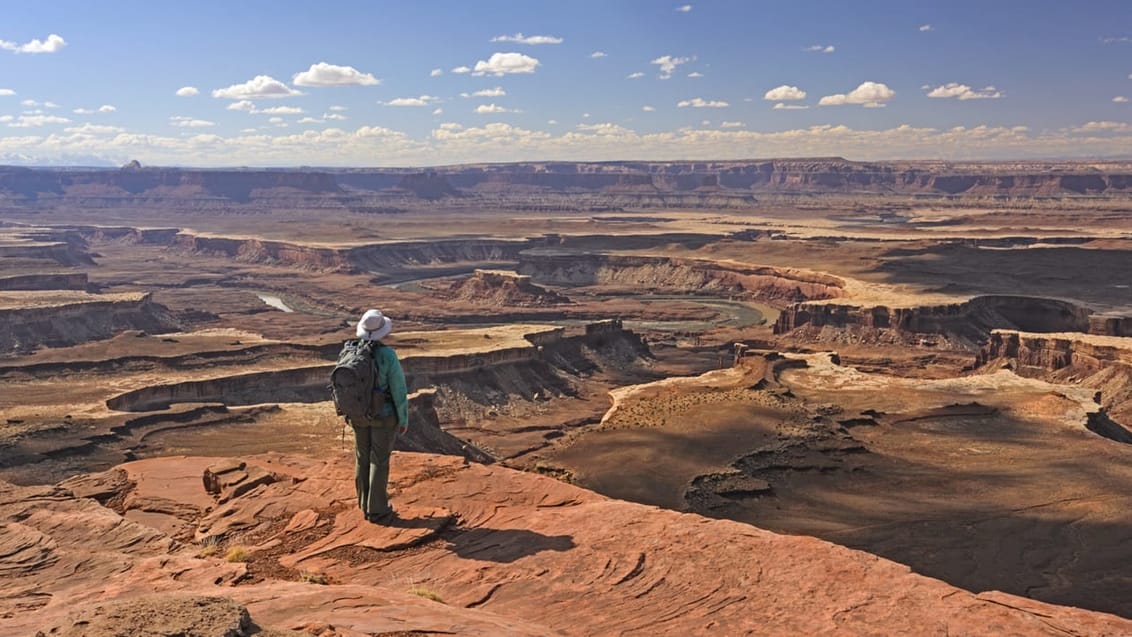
(475, 550)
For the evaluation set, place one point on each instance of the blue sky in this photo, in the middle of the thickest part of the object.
(396, 83)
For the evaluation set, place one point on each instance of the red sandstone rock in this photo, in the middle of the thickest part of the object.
(509, 553)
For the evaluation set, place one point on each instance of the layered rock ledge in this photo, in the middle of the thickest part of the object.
(507, 553)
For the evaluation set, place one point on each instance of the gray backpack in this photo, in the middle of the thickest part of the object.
(353, 384)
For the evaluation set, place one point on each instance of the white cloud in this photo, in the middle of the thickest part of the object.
(695, 74)
(50, 105)
(699, 102)
(1120, 99)
(820, 48)
(438, 111)
(506, 64)
(106, 108)
(339, 108)
(706, 122)
(275, 120)
(83, 111)
(182, 121)
(35, 121)
(487, 92)
(634, 76)
(668, 64)
(790, 107)
(868, 94)
(598, 54)
(684, 8)
(784, 93)
(323, 74)
(585, 115)
(552, 122)
(259, 87)
(964, 92)
(4, 92)
(242, 105)
(924, 28)
(1124, 39)
(436, 73)
(532, 39)
(732, 125)
(1103, 127)
(187, 91)
(281, 110)
(648, 109)
(334, 116)
(487, 109)
(311, 120)
(461, 69)
(423, 100)
(93, 129)
(52, 44)
(29, 103)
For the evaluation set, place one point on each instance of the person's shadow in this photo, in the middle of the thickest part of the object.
(482, 543)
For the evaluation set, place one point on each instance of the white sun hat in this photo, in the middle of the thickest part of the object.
(374, 326)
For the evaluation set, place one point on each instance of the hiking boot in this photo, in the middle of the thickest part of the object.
(381, 518)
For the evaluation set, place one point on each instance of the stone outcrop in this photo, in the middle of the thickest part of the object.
(74, 281)
(1103, 363)
(671, 275)
(499, 288)
(27, 321)
(505, 553)
(564, 185)
(965, 324)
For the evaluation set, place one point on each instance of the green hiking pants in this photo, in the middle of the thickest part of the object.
(372, 446)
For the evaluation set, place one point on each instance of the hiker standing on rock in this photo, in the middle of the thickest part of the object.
(369, 389)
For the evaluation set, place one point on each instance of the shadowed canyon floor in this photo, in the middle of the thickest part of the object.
(944, 382)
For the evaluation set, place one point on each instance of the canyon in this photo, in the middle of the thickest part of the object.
(797, 380)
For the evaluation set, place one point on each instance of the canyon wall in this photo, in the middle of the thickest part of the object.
(1100, 362)
(668, 275)
(561, 185)
(75, 281)
(310, 383)
(65, 324)
(969, 322)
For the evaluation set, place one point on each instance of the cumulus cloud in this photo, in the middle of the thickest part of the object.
(868, 94)
(106, 108)
(732, 125)
(1103, 127)
(242, 105)
(93, 129)
(505, 64)
(487, 92)
(525, 39)
(598, 54)
(52, 44)
(462, 69)
(784, 93)
(668, 64)
(50, 105)
(436, 73)
(699, 102)
(1120, 99)
(339, 108)
(790, 107)
(684, 8)
(4, 92)
(187, 91)
(182, 121)
(281, 110)
(924, 28)
(634, 76)
(423, 100)
(648, 109)
(35, 121)
(438, 111)
(323, 74)
(259, 87)
(695, 74)
(552, 122)
(820, 48)
(311, 120)
(488, 109)
(964, 92)
(334, 116)
(29, 103)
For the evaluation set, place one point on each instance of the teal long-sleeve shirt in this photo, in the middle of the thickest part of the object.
(391, 378)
